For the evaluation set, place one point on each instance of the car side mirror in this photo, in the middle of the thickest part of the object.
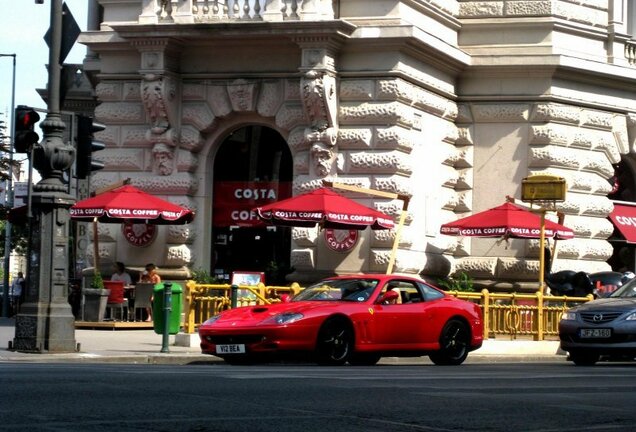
(389, 297)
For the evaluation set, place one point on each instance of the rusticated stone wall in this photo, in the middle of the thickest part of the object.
(515, 140)
(392, 136)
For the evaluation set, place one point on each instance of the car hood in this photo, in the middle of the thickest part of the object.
(615, 304)
(250, 315)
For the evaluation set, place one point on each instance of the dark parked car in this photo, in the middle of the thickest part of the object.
(601, 329)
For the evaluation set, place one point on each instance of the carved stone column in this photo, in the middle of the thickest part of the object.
(319, 94)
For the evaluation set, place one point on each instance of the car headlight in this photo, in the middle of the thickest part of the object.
(286, 317)
(631, 317)
(212, 320)
(568, 316)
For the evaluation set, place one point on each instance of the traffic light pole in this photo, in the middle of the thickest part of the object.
(9, 203)
(45, 322)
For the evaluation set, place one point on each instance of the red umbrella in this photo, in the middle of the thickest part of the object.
(325, 207)
(507, 220)
(127, 203)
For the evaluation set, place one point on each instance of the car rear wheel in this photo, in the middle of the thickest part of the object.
(581, 358)
(335, 342)
(364, 359)
(454, 344)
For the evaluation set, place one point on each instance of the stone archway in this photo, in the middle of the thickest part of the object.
(253, 166)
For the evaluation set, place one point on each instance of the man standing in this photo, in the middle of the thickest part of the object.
(16, 292)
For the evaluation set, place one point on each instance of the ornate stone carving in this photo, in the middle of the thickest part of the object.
(242, 95)
(163, 159)
(319, 101)
(156, 94)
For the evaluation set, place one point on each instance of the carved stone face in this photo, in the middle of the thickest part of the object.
(163, 159)
(322, 159)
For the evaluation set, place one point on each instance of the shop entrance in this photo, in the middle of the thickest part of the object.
(252, 167)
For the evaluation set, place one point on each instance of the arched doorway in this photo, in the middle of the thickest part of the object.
(623, 192)
(252, 167)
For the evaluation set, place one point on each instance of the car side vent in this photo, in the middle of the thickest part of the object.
(599, 317)
(259, 309)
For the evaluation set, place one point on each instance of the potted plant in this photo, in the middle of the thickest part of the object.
(95, 299)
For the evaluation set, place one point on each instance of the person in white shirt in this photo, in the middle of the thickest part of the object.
(121, 274)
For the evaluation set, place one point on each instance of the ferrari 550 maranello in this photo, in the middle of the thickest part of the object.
(356, 319)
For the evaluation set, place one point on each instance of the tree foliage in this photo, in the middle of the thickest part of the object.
(19, 233)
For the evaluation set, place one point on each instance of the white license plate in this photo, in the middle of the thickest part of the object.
(595, 333)
(230, 349)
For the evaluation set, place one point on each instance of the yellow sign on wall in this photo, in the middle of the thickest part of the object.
(543, 187)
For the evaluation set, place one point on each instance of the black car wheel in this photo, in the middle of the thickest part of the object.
(582, 358)
(364, 359)
(454, 344)
(335, 342)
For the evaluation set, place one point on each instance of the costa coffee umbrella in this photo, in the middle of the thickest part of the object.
(510, 221)
(507, 220)
(128, 204)
(325, 207)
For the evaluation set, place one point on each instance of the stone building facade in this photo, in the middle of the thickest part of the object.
(451, 103)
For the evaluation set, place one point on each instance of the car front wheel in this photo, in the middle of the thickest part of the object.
(335, 343)
(454, 343)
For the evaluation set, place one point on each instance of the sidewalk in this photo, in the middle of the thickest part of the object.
(144, 346)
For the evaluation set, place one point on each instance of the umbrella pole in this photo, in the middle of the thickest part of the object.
(396, 241)
(95, 246)
(542, 252)
(398, 233)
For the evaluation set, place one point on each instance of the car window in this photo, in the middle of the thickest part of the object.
(431, 293)
(356, 290)
(409, 291)
(626, 291)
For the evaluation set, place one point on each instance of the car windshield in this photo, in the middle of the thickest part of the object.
(626, 291)
(356, 290)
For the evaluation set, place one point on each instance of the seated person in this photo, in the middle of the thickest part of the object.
(398, 299)
(150, 274)
(121, 274)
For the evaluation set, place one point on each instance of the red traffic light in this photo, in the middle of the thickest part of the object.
(24, 136)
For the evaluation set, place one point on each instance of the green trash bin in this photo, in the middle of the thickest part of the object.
(175, 311)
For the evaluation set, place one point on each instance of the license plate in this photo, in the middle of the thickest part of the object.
(230, 349)
(595, 333)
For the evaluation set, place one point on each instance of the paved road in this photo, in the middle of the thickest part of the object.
(145, 346)
(531, 397)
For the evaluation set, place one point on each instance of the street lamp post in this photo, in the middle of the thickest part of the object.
(45, 322)
(9, 203)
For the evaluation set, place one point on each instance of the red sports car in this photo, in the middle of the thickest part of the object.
(356, 319)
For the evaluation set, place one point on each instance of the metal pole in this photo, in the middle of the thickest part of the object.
(234, 294)
(167, 307)
(542, 253)
(45, 322)
(9, 195)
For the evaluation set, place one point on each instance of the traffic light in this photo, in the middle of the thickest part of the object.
(86, 145)
(24, 136)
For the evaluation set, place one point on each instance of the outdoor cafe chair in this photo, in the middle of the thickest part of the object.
(116, 299)
(143, 297)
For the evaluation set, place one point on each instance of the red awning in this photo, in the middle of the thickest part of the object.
(624, 218)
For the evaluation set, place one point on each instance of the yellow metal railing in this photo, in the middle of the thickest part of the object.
(513, 314)
(528, 315)
(202, 301)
